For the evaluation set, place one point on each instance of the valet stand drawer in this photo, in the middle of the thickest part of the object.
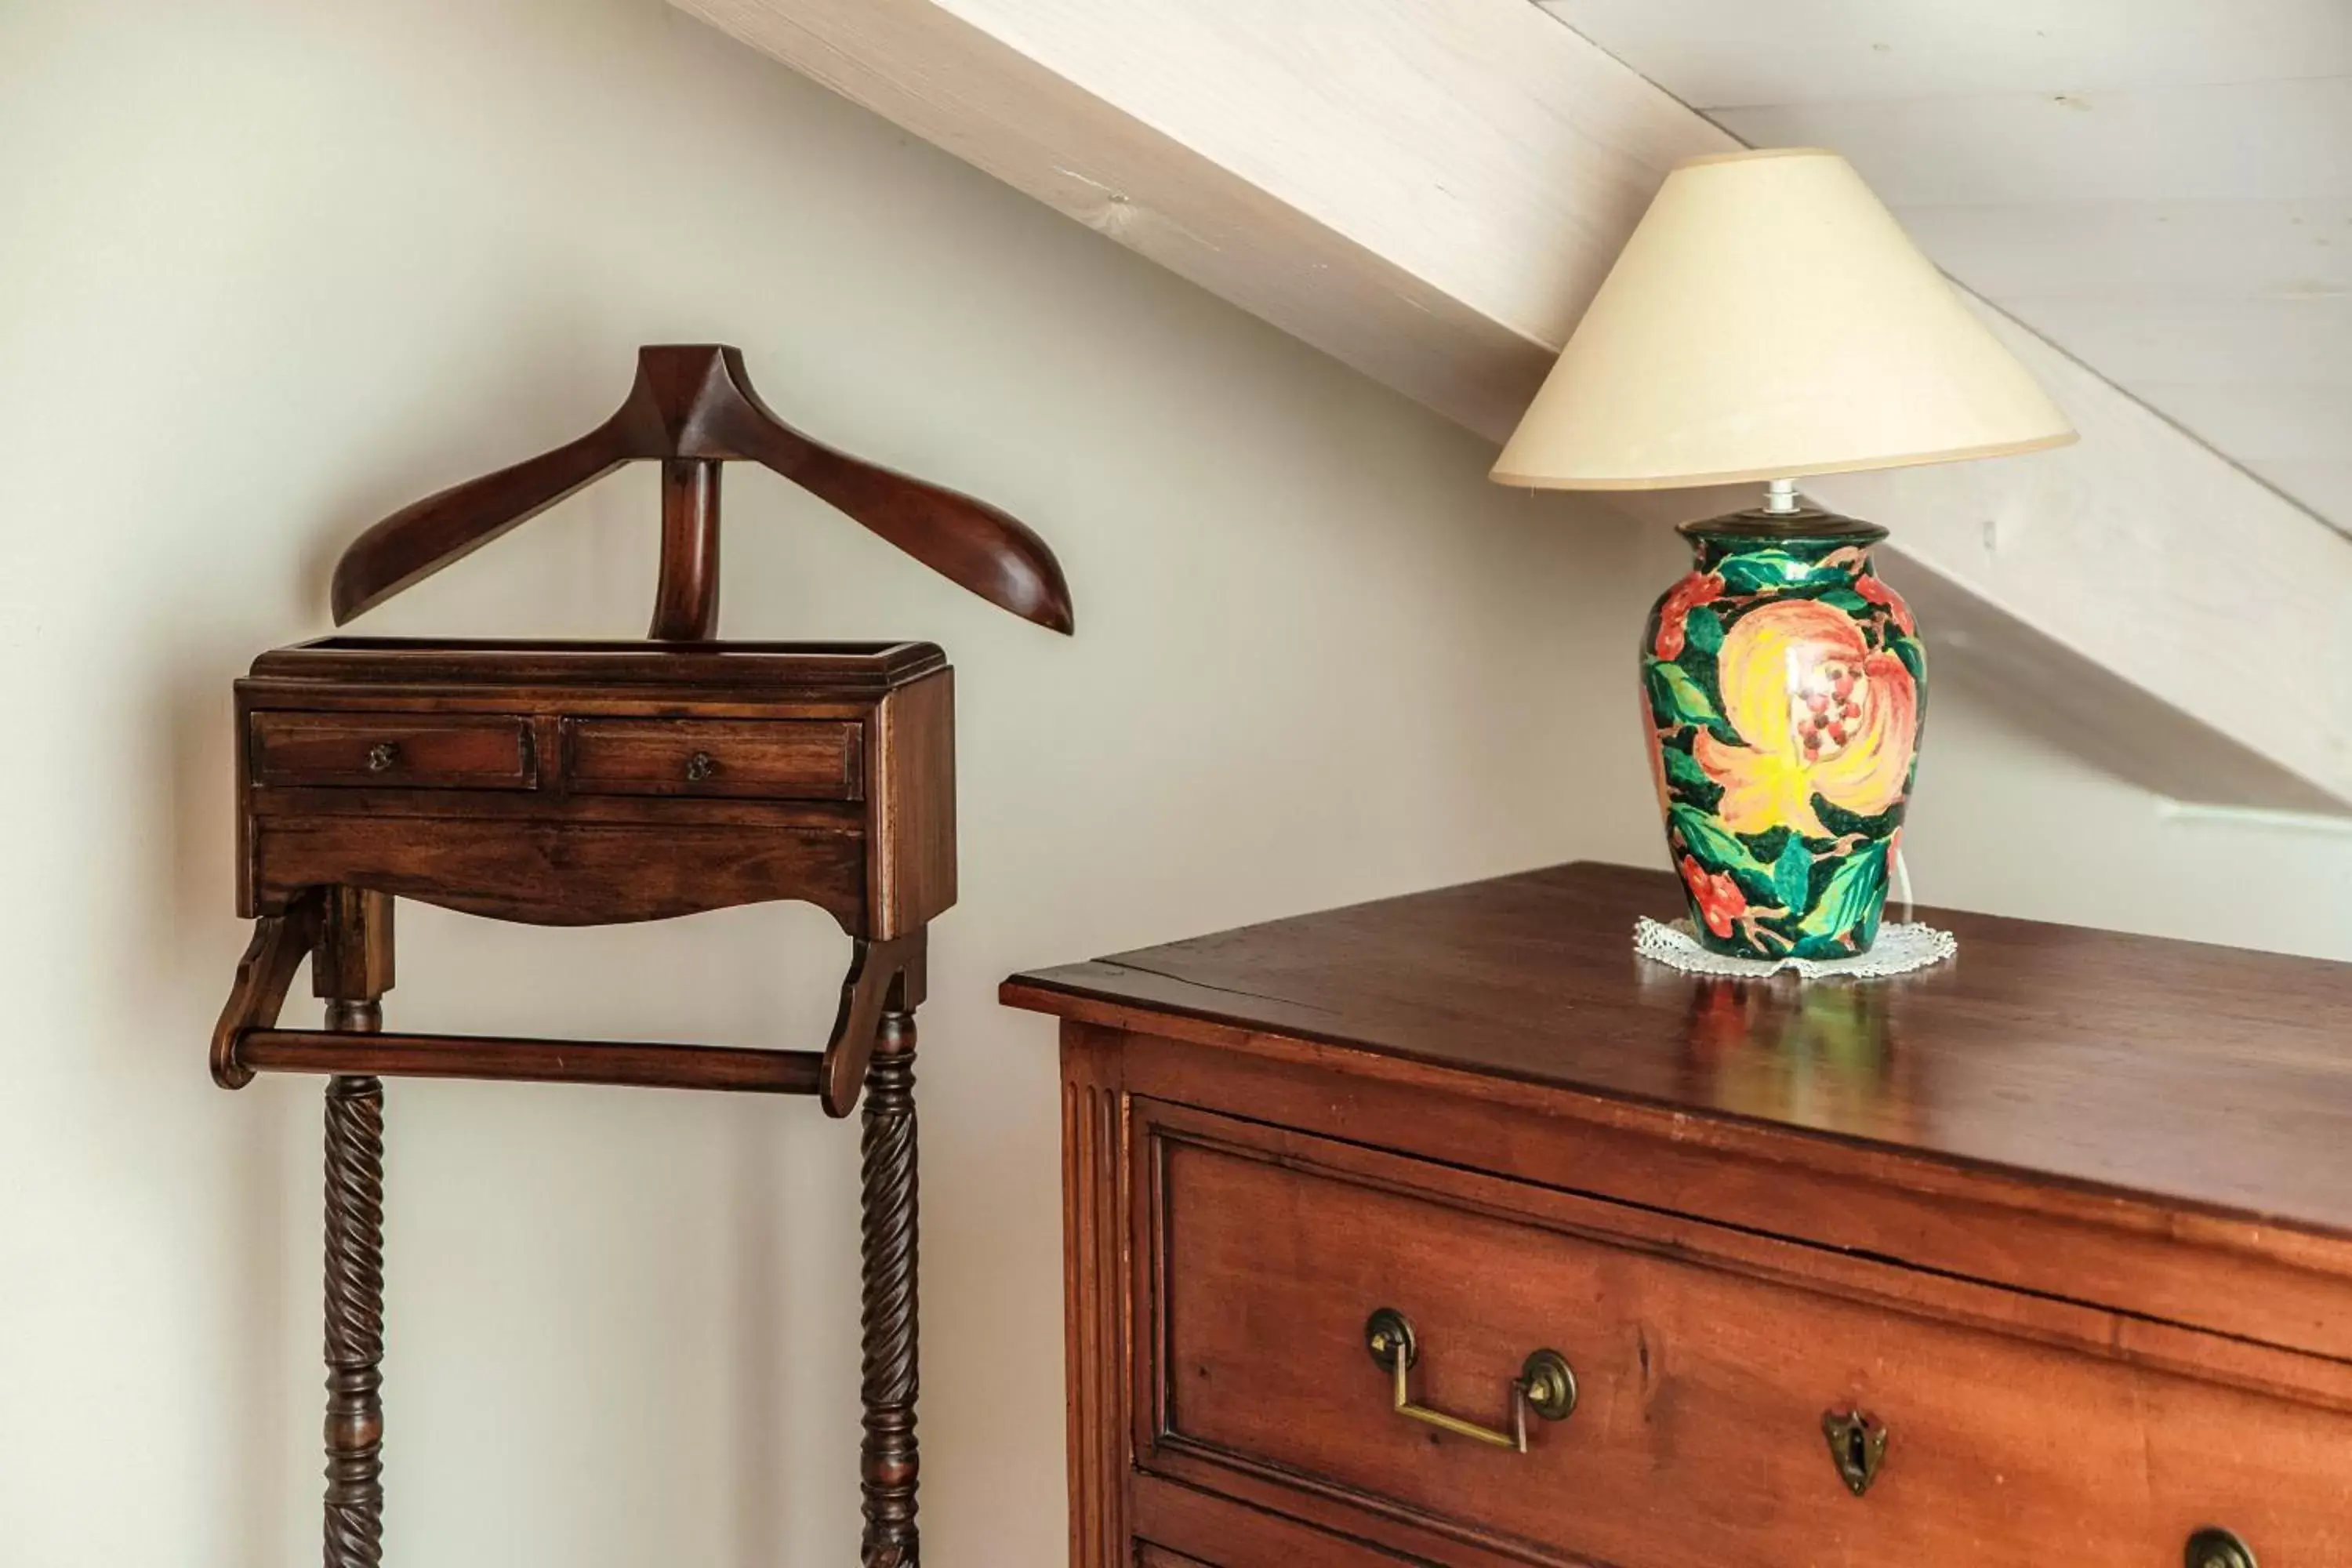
(391, 750)
(775, 759)
(1738, 1402)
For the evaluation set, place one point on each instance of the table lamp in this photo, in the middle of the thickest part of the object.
(1770, 320)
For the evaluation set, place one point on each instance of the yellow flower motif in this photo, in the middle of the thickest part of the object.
(1820, 714)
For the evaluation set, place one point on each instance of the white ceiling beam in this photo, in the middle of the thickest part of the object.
(1431, 190)
(1372, 177)
(1721, 54)
(2167, 577)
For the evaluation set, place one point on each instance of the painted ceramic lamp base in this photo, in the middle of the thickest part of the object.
(1785, 685)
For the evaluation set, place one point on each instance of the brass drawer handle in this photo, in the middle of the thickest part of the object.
(700, 766)
(2213, 1547)
(381, 756)
(1546, 1383)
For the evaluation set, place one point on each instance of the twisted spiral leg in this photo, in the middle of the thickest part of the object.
(354, 1425)
(889, 1456)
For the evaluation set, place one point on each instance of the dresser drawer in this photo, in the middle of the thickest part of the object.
(1704, 1374)
(391, 750)
(781, 759)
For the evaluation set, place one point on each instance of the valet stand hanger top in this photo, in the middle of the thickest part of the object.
(691, 408)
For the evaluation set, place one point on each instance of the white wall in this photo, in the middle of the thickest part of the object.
(269, 270)
(275, 270)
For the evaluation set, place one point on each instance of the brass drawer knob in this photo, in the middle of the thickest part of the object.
(700, 766)
(1546, 1385)
(2213, 1547)
(1857, 1446)
(381, 756)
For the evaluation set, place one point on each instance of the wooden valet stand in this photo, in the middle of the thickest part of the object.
(595, 783)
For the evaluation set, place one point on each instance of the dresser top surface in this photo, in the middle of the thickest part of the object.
(2210, 1076)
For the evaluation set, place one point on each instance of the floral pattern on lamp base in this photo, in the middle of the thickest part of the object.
(1785, 686)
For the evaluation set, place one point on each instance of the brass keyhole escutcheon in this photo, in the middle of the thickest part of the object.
(700, 766)
(381, 756)
(1857, 1446)
(2213, 1547)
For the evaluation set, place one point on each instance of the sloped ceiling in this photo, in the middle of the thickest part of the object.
(2162, 188)
(1431, 191)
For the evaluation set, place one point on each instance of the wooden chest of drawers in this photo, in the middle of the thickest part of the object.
(2045, 1255)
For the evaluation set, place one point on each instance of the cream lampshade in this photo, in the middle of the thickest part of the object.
(1770, 320)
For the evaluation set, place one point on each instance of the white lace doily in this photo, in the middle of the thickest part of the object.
(1902, 947)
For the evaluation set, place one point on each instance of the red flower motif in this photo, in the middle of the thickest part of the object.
(1879, 594)
(1696, 589)
(1717, 897)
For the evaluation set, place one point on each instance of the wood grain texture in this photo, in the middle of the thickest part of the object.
(565, 783)
(913, 743)
(281, 943)
(1150, 1556)
(695, 402)
(353, 971)
(353, 1507)
(640, 1064)
(391, 751)
(354, 961)
(1705, 1364)
(2056, 1052)
(1094, 1275)
(658, 783)
(1221, 1532)
(661, 782)
(1735, 1208)
(344, 669)
(297, 803)
(564, 873)
(686, 595)
(2286, 1289)
(889, 1462)
(806, 759)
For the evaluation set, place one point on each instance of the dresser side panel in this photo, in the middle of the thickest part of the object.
(1094, 1278)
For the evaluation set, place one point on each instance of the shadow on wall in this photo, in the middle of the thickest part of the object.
(184, 945)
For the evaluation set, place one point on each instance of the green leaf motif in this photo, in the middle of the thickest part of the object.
(1758, 570)
(1714, 847)
(1676, 698)
(1792, 873)
(1852, 603)
(1682, 770)
(1855, 889)
(1702, 631)
(1914, 657)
